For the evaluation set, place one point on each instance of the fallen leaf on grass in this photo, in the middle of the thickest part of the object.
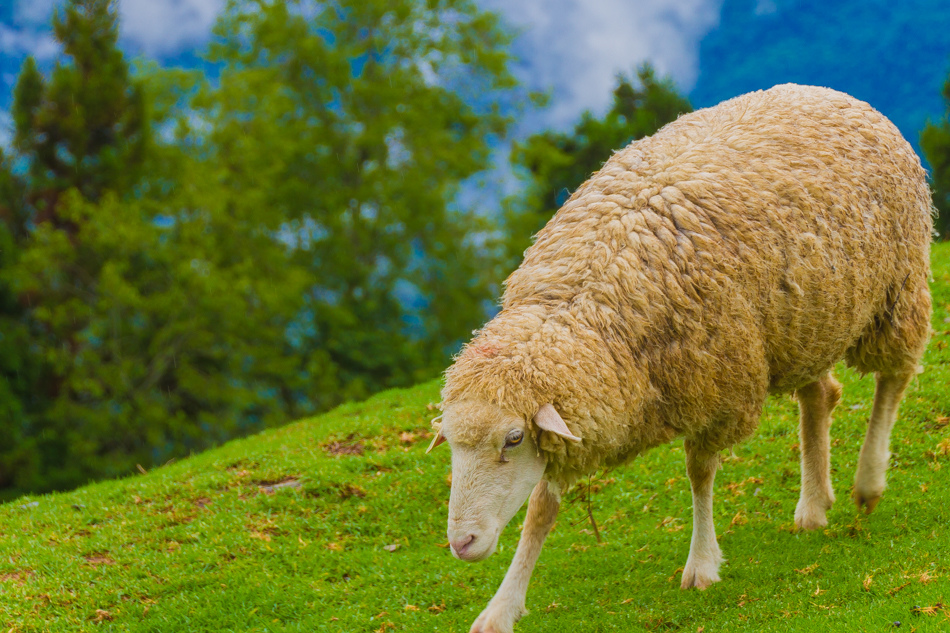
(385, 625)
(925, 578)
(898, 588)
(102, 616)
(808, 570)
(739, 519)
(666, 521)
(437, 608)
(392, 548)
(931, 610)
(411, 607)
(867, 582)
(334, 547)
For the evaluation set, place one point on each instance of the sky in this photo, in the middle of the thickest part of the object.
(572, 48)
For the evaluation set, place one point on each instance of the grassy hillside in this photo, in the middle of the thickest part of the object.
(338, 524)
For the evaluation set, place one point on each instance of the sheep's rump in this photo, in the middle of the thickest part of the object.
(771, 235)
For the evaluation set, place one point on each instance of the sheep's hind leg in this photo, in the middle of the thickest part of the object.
(507, 606)
(816, 401)
(870, 478)
(702, 566)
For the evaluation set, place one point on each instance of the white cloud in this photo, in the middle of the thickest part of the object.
(160, 27)
(29, 33)
(153, 27)
(577, 47)
(34, 12)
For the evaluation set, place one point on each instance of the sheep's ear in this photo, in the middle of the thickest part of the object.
(438, 439)
(548, 419)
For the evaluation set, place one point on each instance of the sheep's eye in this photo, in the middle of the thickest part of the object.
(514, 438)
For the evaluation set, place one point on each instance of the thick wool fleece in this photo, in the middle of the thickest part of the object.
(741, 250)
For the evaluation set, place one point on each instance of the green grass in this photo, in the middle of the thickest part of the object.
(205, 545)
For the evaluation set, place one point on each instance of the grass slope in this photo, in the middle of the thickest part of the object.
(291, 531)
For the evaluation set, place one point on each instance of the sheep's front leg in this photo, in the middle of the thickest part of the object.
(702, 566)
(508, 604)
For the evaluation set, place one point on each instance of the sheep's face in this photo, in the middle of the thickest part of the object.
(495, 465)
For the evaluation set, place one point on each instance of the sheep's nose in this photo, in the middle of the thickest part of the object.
(459, 546)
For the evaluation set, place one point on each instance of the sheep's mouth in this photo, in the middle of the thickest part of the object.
(479, 548)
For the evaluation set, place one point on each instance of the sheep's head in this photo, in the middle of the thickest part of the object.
(495, 465)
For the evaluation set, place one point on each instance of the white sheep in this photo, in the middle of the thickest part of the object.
(740, 251)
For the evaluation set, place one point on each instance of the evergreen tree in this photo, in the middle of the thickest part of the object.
(86, 128)
(556, 163)
(935, 142)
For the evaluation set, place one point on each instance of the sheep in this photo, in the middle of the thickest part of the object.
(741, 251)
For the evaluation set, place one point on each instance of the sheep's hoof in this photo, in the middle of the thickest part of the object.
(866, 502)
(699, 576)
(810, 517)
(498, 619)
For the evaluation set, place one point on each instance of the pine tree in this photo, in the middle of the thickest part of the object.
(86, 128)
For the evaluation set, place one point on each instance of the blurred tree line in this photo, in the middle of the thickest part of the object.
(183, 261)
(935, 142)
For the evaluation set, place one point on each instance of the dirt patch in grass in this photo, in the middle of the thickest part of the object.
(349, 446)
(19, 577)
(348, 490)
(99, 558)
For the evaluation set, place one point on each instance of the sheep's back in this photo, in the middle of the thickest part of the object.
(786, 222)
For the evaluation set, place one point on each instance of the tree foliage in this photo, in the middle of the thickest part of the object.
(935, 142)
(348, 123)
(556, 163)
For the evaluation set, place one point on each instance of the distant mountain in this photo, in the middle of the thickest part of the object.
(894, 55)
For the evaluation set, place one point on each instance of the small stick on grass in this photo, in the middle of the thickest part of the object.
(590, 514)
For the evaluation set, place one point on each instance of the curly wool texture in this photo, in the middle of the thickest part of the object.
(742, 250)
